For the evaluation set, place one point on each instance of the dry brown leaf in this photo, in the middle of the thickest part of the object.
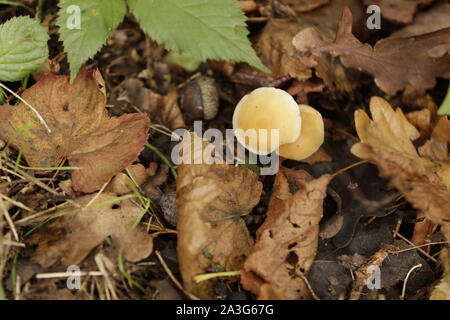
(123, 183)
(211, 234)
(162, 110)
(157, 175)
(442, 290)
(390, 61)
(435, 19)
(424, 179)
(276, 50)
(401, 11)
(304, 5)
(81, 130)
(71, 237)
(287, 241)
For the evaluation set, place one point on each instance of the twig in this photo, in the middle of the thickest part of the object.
(172, 277)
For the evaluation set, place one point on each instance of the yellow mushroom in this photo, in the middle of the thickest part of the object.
(311, 137)
(261, 111)
(301, 127)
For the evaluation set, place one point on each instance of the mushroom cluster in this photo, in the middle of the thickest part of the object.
(300, 127)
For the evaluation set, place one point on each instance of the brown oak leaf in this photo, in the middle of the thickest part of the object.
(424, 177)
(212, 236)
(81, 130)
(72, 236)
(286, 243)
(411, 64)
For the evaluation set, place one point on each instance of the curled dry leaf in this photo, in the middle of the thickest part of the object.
(81, 129)
(401, 11)
(389, 61)
(211, 234)
(424, 178)
(286, 243)
(71, 237)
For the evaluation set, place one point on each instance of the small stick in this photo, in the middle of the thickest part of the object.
(172, 277)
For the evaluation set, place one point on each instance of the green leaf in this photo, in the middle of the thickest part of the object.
(445, 106)
(2, 96)
(23, 48)
(203, 29)
(97, 20)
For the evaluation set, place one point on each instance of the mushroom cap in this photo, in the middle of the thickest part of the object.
(266, 108)
(311, 137)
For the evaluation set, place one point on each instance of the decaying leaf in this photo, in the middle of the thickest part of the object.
(401, 11)
(211, 234)
(71, 237)
(81, 130)
(277, 51)
(126, 182)
(286, 243)
(390, 61)
(305, 5)
(434, 19)
(442, 290)
(424, 178)
(162, 110)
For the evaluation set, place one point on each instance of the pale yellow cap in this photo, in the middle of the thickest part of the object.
(266, 108)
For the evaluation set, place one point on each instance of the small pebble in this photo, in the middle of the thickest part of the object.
(169, 207)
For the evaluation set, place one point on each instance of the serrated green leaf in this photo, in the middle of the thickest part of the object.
(98, 19)
(445, 106)
(23, 48)
(203, 29)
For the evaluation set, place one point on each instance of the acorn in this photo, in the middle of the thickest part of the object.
(200, 99)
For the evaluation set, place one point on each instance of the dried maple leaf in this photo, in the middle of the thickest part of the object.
(423, 178)
(211, 234)
(390, 61)
(401, 11)
(81, 130)
(71, 237)
(286, 243)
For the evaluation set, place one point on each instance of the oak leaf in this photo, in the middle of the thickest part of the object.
(411, 64)
(424, 176)
(212, 236)
(81, 130)
(72, 236)
(286, 243)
